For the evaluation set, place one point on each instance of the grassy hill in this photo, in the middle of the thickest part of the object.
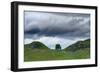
(79, 45)
(37, 51)
(36, 45)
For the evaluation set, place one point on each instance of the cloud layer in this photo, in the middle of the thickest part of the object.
(69, 26)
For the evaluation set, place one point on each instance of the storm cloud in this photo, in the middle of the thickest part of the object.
(55, 24)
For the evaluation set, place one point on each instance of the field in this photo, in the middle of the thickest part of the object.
(48, 54)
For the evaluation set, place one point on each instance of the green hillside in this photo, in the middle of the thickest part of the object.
(37, 51)
(36, 45)
(79, 45)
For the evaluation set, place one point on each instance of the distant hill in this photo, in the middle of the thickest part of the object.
(36, 44)
(79, 45)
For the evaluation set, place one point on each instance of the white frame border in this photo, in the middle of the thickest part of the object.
(22, 64)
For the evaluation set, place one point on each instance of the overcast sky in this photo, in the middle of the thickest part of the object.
(56, 28)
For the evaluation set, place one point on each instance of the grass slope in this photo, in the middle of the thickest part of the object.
(36, 45)
(79, 45)
(43, 53)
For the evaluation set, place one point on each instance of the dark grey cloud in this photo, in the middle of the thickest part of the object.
(64, 25)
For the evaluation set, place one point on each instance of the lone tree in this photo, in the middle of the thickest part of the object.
(58, 47)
